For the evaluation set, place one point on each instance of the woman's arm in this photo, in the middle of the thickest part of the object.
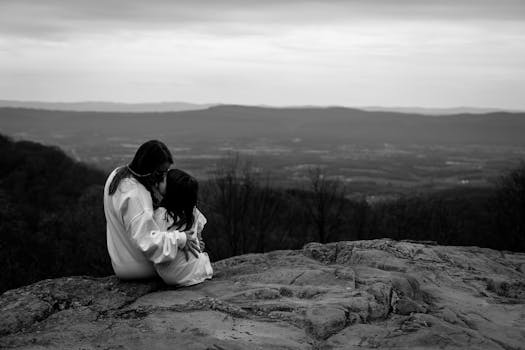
(158, 246)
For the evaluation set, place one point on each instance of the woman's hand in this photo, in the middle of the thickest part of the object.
(202, 245)
(192, 246)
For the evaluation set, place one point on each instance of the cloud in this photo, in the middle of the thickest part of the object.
(366, 52)
(60, 19)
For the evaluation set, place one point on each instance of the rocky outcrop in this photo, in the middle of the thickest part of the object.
(345, 295)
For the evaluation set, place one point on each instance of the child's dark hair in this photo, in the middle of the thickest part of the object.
(145, 166)
(181, 198)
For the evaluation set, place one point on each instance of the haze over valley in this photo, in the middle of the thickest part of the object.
(379, 154)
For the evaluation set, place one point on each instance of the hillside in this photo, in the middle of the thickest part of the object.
(345, 295)
(51, 218)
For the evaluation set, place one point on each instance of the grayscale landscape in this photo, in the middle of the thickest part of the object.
(289, 174)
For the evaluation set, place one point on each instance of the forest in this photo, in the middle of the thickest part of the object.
(52, 221)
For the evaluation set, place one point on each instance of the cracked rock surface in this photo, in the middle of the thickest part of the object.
(344, 295)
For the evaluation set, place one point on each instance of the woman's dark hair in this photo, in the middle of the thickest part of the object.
(146, 166)
(181, 197)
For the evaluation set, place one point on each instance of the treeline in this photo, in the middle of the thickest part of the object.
(246, 214)
(52, 222)
(51, 218)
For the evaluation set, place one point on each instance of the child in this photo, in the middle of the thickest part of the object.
(178, 211)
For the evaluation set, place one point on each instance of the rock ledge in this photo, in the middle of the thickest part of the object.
(344, 295)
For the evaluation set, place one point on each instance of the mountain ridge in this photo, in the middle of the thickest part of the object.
(234, 121)
(176, 106)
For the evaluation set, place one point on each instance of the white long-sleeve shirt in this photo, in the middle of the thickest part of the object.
(135, 241)
(179, 271)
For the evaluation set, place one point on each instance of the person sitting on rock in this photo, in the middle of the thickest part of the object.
(178, 211)
(134, 240)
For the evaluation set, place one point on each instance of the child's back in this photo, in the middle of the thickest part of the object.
(179, 271)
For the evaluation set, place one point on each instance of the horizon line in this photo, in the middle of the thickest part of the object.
(205, 105)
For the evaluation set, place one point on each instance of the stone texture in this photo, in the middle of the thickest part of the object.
(344, 295)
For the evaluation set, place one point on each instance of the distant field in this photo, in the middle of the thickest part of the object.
(375, 153)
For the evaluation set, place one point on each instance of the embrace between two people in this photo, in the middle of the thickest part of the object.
(153, 224)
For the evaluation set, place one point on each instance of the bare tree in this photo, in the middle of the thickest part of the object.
(509, 208)
(325, 206)
(245, 206)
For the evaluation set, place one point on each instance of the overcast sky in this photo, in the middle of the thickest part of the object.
(277, 52)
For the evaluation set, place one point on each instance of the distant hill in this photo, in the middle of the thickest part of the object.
(439, 111)
(104, 106)
(96, 106)
(309, 125)
(378, 152)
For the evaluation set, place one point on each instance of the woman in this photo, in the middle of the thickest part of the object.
(178, 211)
(135, 241)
